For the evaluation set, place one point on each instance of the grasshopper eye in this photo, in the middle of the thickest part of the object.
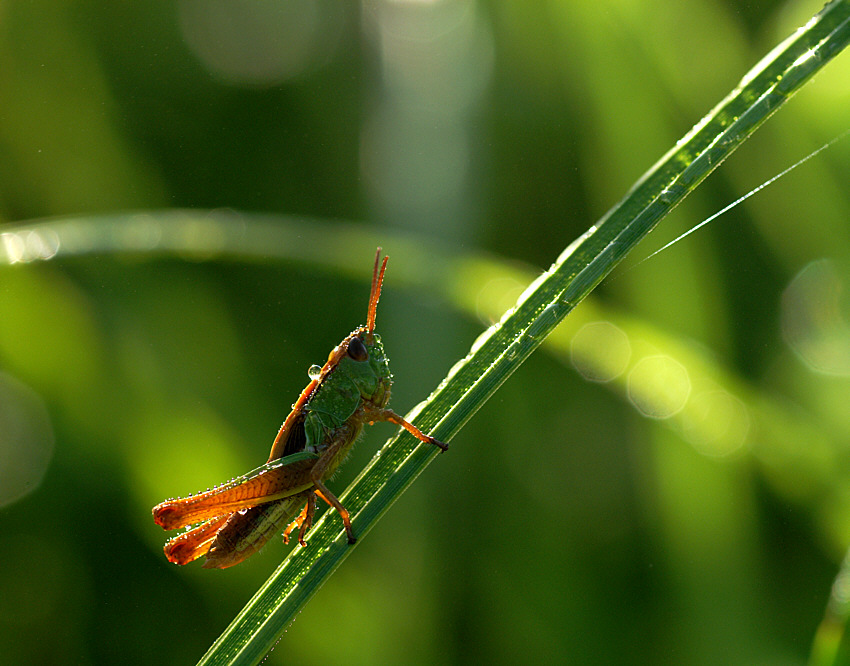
(357, 350)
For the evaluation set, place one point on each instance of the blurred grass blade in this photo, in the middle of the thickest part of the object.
(501, 349)
(830, 634)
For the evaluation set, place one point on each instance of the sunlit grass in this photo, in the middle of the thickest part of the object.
(717, 411)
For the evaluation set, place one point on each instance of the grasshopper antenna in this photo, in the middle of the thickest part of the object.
(377, 281)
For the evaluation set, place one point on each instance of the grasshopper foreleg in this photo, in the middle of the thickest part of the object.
(389, 415)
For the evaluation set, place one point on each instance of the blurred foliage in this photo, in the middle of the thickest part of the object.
(563, 525)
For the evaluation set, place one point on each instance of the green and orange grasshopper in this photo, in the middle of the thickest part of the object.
(238, 518)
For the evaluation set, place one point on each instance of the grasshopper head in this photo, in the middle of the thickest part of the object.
(367, 364)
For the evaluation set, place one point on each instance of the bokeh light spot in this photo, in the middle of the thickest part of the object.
(495, 297)
(26, 440)
(260, 43)
(29, 246)
(812, 323)
(600, 351)
(716, 423)
(659, 386)
(13, 247)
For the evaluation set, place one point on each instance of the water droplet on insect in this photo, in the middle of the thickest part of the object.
(314, 371)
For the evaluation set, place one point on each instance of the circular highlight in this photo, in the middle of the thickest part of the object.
(600, 351)
(659, 386)
(26, 440)
(716, 423)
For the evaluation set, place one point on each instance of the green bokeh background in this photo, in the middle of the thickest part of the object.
(563, 526)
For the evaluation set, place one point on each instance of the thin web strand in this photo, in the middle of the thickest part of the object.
(745, 197)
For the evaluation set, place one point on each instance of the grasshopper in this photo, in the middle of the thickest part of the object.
(236, 519)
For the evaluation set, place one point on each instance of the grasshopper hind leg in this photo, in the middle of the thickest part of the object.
(304, 521)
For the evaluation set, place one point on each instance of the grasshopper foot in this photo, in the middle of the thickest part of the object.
(436, 442)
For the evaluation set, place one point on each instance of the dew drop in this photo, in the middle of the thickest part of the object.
(314, 371)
